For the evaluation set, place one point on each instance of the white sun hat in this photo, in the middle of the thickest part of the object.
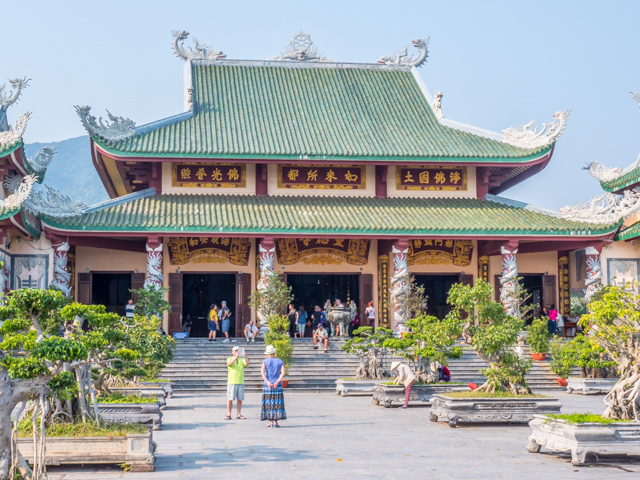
(270, 350)
(395, 365)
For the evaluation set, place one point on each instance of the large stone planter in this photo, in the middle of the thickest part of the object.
(134, 450)
(165, 386)
(145, 413)
(354, 387)
(148, 392)
(489, 410)
(387, 394)
(590, 386)
(558, 436)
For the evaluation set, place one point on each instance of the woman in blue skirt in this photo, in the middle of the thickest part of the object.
(272, 395)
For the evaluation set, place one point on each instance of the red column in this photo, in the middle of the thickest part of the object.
(400, 285)
(509, 279)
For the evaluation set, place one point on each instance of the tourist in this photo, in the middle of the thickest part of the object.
(293, 321)
(225, 319)
(251, 332)
(302, 321)
(560, 325)
(308, 328)
(235, 381)
(186, 326)
(213, 322)
(371, 314)
(129, 309)
(321, 335)
(406, 377)
(571, 326)
(442, 373)
(551, 323)
(272, 395)
(353, 325)
(317, 316)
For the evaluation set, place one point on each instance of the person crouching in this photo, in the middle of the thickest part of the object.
(406, 377)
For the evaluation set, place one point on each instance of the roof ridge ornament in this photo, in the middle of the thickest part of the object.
(300, 49)
(39, 163)
(54, 203)
(523, 136)
(198, 52)
(636, 97)
(437, 105)
(20, 189)
(119, 128)
(18, 84)
(603, 173)
(9, 137)
(607, 208)
(403, 59)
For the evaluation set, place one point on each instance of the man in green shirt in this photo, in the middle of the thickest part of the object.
(235, 381)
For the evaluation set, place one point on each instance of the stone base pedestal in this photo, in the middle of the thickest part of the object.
(145, 413)
(590, 386)
(558, 436)
(489, 410)
(348, 388)
(387, 394)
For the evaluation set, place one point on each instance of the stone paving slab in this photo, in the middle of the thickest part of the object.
(329, 437)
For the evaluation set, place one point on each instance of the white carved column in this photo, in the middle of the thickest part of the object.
(155, 278)
(593, 282)
(5, 275)
(509, 280)
(266, 252)
(61, 275)
(400, 288)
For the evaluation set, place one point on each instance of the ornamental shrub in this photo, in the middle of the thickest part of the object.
(538, 338)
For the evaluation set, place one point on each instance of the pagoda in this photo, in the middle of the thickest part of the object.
(345, 177)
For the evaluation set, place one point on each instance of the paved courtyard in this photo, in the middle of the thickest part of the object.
(329, 437)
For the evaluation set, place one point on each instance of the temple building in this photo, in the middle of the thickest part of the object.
(342, 176)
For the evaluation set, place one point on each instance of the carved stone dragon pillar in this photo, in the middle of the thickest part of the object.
(155, 278)
(61, 275)
(266, 252)
(5, 275)
(594, 272)
(400, 287)
(509, 279)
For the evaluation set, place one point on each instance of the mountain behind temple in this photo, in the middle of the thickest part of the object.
(71, 171)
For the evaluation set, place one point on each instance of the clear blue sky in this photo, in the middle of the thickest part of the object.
(497, 63)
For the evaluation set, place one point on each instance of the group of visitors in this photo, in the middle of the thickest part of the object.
(219, 318)
(272, 370)
(303, 324)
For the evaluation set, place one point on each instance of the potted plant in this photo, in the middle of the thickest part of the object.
(561, 360)
(492, 332)
(612, 324)
(367, 345)
(538, 338)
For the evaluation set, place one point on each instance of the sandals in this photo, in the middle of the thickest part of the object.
(241, 417)
(228, 417)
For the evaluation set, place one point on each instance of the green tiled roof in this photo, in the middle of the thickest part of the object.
(623, 181)
(6, 149)
(628, 233)
(322, 215)
(338, 113)
(8, 212)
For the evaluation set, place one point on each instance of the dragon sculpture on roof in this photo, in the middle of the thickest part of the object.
(40, 161)
(300, 49)
(523, 136)
(18, 84)
(20, 189)
(198, 52)
(9, 137)
(607, 208)
(402, 58)
(119, 128)
(602, 173)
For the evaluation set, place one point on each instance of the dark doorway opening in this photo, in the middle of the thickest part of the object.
(111, 290)
(436, 287)
(312, 290)
(199, 291)
(532, 284)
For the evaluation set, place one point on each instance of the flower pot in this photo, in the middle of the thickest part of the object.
(285, 383)
(538, 356)
(562, 382)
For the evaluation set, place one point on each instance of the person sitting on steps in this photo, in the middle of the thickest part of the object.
(321, 335)
(251, 332)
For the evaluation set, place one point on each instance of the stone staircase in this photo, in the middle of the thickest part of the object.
(200, 365)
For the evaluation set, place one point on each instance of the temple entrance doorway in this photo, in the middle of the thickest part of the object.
(199, 291)
(436, 287)
(111, 290)
(310, 290)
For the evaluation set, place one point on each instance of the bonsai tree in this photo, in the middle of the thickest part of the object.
(583, 353)
(613, 324)
(492, 333)
(272, 297)
(538, 337)
(151, 302)
(33, 364)
(368, 346)
(278, 336)
(429, 339)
